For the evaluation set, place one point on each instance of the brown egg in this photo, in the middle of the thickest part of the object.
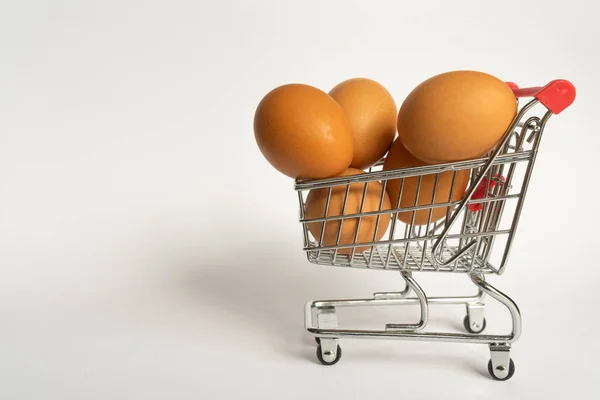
(315, 208)
(456, 115)
(399, 157)
(303, 132)
(372, 113)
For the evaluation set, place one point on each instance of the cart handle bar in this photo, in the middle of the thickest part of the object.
(556, 96)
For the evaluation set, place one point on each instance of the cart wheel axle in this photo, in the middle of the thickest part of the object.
(330, 357)
(511, 370)
(471, 328)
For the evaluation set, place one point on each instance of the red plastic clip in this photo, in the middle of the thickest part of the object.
(480, 191)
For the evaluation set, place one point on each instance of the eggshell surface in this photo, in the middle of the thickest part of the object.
(316, 204)
(455, 116)
(400, 157)
(372, 112)
(303, 132)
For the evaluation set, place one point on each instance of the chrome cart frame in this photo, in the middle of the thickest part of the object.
(475, 237)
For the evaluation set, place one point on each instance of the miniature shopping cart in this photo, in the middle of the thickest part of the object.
(474, 237)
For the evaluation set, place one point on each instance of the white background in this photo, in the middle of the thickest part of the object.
(147, 250)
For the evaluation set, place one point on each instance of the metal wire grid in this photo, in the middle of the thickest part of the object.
(408, 247)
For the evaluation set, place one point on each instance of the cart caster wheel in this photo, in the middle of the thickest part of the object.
(472, 329)
(511, 371)
(329, 359)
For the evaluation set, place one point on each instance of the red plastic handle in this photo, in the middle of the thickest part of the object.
(556, 96)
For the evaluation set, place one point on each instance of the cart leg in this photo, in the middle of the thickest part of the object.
(328, 350)
(501, 367)
(414, 286)
(515, 314)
